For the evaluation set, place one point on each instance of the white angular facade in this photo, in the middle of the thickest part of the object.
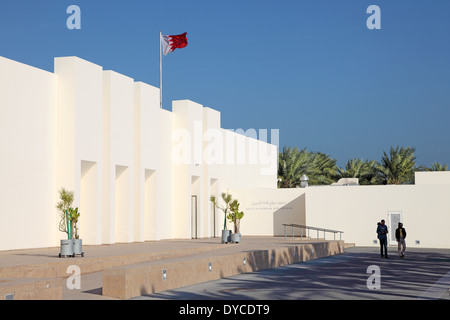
(138, 172)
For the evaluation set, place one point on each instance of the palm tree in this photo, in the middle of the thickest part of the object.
(322, 170)
(399, 165)
(292, 164)
(367, 171)
(436, 166)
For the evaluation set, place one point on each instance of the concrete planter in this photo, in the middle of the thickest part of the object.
(235, 237)
(226, 236)
(66, 248)
(78, 247)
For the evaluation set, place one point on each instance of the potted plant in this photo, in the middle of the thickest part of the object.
(65, 225)
(235, 217)
(74, 214)
(226, 234)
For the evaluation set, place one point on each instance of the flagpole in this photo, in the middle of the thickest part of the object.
(160, 69)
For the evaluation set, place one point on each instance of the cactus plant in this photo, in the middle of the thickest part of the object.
(74, 214)
(66, 199)
(235, 215)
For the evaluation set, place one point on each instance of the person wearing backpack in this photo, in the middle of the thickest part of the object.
(382, 231)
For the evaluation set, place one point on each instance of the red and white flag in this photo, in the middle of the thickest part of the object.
(170, 43)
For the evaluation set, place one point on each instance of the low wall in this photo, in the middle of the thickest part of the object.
(132, 281)
(355, 210)
(50, 289)
(58, 269)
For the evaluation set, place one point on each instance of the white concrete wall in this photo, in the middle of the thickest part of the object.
(187, 160)
(248, 162)
(208, 226)
(210, 160)
(103, 136)
(267, 209)
(118, 106)
(166, 179)
(357, 209)
(28, 147)
(432, 177)
(79, 95)
(147, 127)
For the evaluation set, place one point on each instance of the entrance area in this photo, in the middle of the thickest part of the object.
(195, 191)
(394, 218)
(150, 205)
(213, 222)
(88, 202)
(194, 218)
(122, 205)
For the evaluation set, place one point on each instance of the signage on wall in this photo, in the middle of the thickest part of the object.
(266, 205)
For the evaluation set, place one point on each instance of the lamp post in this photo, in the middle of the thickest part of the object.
(303, 181)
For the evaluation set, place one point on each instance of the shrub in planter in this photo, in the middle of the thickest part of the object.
(65, 201)
(68, 221)
(74, 215)
(226, 234)
(235, 217)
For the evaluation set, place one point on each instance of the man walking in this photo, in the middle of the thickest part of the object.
(400, 235)
(382, 231)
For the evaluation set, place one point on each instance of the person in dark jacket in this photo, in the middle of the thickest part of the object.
(400, 235)
(382, 231)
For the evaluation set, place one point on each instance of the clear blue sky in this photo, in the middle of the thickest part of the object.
(310, 68)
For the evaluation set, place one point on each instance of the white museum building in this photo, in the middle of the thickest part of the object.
(138, 172)
(143, 173)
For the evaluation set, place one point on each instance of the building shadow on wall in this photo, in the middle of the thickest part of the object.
(291, 212)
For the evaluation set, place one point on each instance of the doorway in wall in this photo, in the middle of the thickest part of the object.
(195, 191)
(394, 218)
(122, 204)
(194, 217)
(213, 221)
(88, 202)
(150, 205)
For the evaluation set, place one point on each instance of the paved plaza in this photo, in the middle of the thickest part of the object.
(423, 274)
(19, 268)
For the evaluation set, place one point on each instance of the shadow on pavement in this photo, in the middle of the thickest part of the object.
(337, 277)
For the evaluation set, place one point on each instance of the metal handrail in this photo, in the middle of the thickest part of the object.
(293, 225)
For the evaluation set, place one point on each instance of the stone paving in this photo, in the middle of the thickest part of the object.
(26, 266)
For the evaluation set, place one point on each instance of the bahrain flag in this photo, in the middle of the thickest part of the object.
(170, 43)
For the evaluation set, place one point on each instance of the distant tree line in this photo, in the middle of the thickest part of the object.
(396, 167)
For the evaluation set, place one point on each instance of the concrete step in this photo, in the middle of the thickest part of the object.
(58, 268)
(146, 278)
(122, 271)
